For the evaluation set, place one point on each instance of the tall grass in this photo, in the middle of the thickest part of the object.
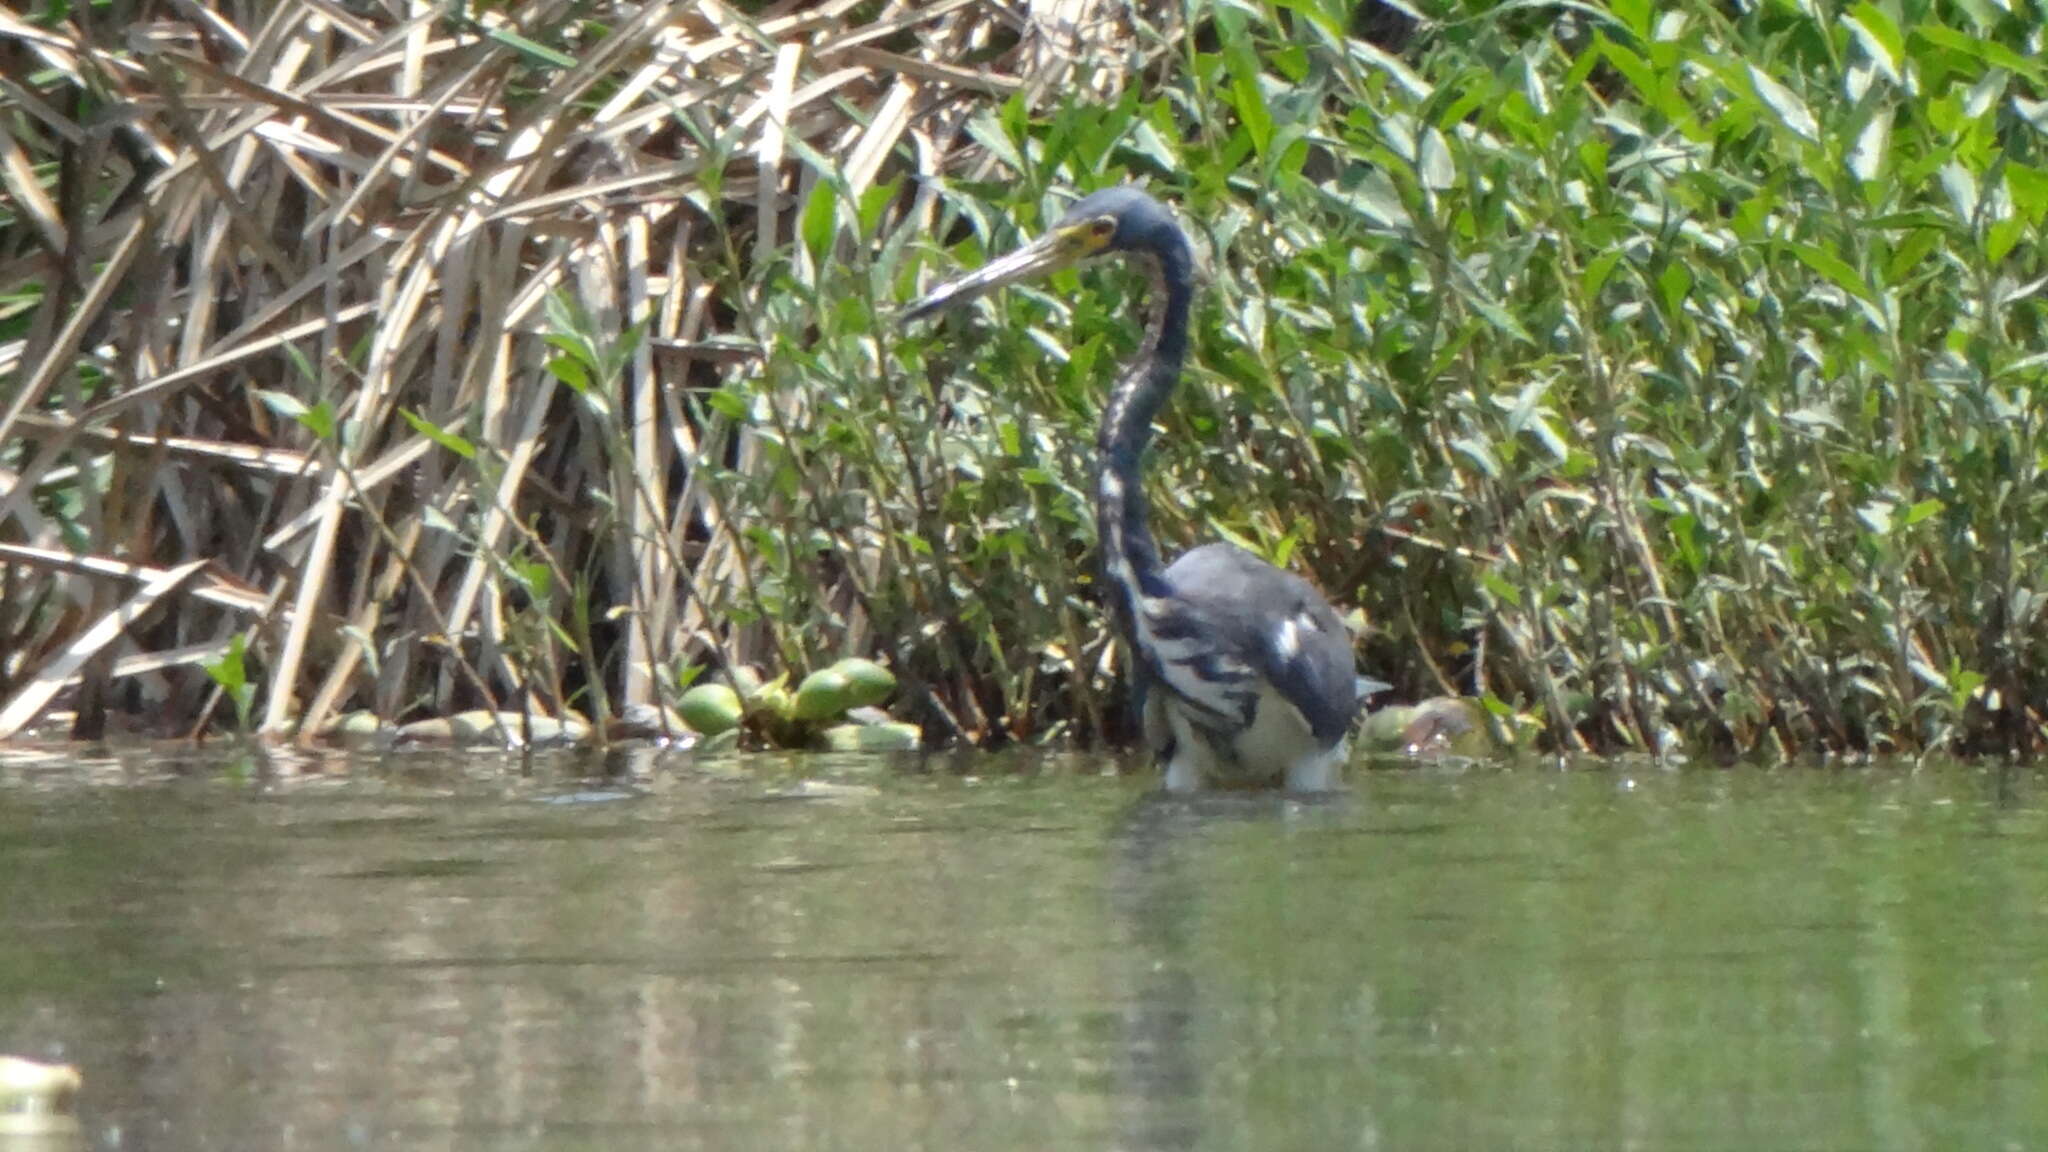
(1670, 375)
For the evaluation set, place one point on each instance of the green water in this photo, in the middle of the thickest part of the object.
(460, 953)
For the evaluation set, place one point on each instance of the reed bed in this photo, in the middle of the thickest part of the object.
(1663, 377)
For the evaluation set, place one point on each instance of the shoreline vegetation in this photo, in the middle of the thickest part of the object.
(1658, 377)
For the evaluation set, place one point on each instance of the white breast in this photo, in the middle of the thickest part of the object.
(1277, 746)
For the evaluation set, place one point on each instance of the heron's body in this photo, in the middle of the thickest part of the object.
(1242, 672)
(1260, 692)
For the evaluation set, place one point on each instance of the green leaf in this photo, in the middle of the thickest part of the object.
(571, 343)
(1880, 38)
(1866, 157)
(1785, 104)
(820, 219)
(1147, 141)
(1919, 512)
(1241, 57)
(566, 318)
(2002, 237)
(1987, 51)
(303, 366)
(874, 202)
(1597, 271)
(1476, 450)
(1495, 315)
(438, 435)
(1547, 435)
(1632, 67)
(538, 578)
(1913, 249)
(228, 670)
(533, 50)
(1674, 284)
(283, 403)
(571, 371)
(1500, 588)
(727, 405)
(984, 129)
(2028, 188)
(1685, 533)
(1963, 684)
(319, 420)
(1811, 418)
(231, 673)
(1377, 200)
(438, 520)
(1833, 267)
(1634, 15)
(1961, 186)
(1433, 163)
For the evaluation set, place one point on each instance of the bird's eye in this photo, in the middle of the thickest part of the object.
(1103, 228)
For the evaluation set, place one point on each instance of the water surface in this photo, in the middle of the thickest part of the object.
(471, 953)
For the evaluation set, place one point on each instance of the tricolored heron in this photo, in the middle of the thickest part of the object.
(1242, 672)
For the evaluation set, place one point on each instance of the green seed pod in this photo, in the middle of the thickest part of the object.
(710, 709)
(772, 701)
(892, 737)
(1386, 730)
(822, 695)
(726, 741)
(867, 682)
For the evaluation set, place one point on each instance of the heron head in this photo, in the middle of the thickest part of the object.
(1112, 220)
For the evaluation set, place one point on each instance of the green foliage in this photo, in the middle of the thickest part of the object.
(1672, 372)
(229, 671)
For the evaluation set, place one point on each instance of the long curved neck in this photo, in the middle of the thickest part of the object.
(1130, 559)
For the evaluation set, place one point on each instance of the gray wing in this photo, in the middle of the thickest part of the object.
(1232, 620)
(1148, 701)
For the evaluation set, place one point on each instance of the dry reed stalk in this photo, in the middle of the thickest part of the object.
(342, 216)
(40, 687)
